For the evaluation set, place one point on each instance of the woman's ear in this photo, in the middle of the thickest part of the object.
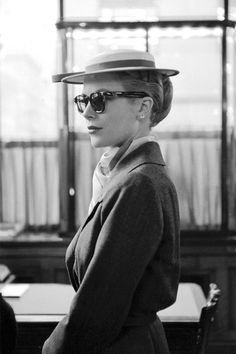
(145, 107)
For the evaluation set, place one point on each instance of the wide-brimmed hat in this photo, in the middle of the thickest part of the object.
(115, 61)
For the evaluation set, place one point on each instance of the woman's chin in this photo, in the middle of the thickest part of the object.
(97, 143)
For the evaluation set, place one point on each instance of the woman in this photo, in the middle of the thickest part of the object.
(124, 261)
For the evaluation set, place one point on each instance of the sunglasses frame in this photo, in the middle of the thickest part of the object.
(82, 98)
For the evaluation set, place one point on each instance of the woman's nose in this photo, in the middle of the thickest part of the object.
(89, 113)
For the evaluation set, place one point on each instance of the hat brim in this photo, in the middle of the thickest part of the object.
(78, 77)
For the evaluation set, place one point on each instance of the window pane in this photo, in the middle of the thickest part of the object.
(232, 10)
(190, 9)
(27, 61)
(196, 53)
(148, 10)
(110, 10)
(29, 183)
(231, 76)
(88, 43)
(193, 149)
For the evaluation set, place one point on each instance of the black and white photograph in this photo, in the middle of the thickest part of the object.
(117, 177)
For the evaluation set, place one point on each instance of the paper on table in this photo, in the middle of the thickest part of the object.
(14, 290)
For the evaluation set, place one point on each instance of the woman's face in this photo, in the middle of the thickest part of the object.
(119, 120)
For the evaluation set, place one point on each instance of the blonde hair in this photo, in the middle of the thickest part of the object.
(156, 85)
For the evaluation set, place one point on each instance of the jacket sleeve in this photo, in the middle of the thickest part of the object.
(130, 235)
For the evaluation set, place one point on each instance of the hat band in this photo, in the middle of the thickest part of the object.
(116, 64)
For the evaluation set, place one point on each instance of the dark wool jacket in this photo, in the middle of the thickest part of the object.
(123, 262)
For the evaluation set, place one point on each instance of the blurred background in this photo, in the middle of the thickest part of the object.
(46, 160)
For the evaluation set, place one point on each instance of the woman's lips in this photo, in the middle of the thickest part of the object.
(93, 129)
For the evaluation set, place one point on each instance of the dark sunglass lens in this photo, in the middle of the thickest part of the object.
(81, 106)
(97, 101)
(82, 102)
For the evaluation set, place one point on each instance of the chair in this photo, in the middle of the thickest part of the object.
(5, 274)
(206, 319)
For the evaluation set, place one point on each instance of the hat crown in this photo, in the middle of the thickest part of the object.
(125, 56)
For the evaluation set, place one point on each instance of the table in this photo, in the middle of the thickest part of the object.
(39, 310)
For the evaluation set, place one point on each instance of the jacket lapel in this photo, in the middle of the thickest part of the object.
(146, 153)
